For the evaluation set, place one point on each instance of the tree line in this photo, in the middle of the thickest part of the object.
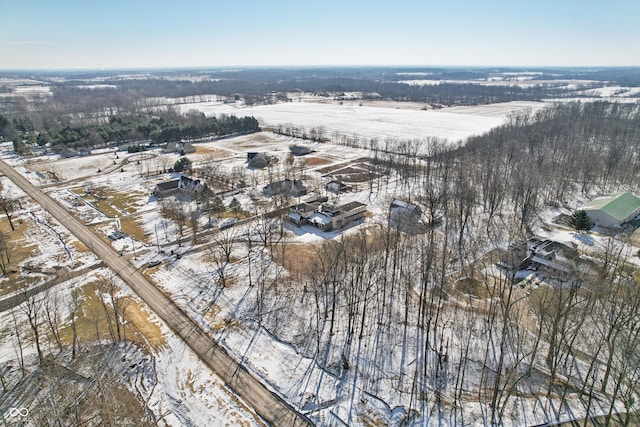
(160, 126)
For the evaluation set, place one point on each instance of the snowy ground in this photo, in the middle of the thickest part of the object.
(179, 388)
(187, 391)
(368, 122)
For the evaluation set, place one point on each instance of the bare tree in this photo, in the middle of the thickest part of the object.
(31, 308)
(8, 206)
(52, 315)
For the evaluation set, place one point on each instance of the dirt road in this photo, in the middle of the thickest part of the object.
(266, 403)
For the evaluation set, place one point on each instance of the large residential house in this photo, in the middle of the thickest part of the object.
(550, 255)
(613, 211)
(326, 217)
(184, 185)
(288, 187)
(258, 160)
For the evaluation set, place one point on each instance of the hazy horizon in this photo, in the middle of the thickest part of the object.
(75, 35)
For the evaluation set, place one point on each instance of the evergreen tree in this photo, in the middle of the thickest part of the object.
(580, 221)
(182, 165)
(234, 205)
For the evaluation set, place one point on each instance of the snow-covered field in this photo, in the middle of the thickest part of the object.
(373, 122)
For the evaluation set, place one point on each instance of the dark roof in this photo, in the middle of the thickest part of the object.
(305, 207)
(259, 161)
(169, 185)
(297, 150)
(350, 206)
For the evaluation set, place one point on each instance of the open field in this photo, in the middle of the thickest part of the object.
(368, 122)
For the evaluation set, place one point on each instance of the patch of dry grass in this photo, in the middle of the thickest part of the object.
(138, 316)
(297, 259)
(81, 247)
(132, 227)
(113, 203)
(19, 251)
(316, 161)
(92, 323)
(472, 287)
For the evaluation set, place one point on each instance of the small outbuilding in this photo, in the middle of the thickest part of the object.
(336, 187)
(613, 211)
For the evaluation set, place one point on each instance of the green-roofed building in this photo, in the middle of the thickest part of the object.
(614, 210)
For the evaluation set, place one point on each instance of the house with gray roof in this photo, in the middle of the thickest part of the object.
(326, 217)
(286, 187)
(184, 185)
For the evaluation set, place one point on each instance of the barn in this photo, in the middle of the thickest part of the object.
(613, 211)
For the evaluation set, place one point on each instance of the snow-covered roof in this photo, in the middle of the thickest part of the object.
(319, 218)
(294, 216)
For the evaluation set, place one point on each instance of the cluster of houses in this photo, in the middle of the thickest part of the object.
(257, 160)
(324, 216)
(181, 148)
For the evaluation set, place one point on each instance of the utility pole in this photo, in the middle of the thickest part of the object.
(155, 226)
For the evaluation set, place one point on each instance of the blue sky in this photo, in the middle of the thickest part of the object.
(53, 34)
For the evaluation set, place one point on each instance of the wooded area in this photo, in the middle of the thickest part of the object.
(434, 322)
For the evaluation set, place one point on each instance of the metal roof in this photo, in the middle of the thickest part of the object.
(618, 206)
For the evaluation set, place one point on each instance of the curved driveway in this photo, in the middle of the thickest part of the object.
(265, 402)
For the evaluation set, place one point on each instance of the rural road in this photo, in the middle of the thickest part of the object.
(266, 403)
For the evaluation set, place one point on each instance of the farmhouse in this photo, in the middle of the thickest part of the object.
(406, 217)
(336, 187)
(183, 185)
(326, 217)
(287, 187)
(613, 211)
(187, 148)
(300, 213)
(170, 147)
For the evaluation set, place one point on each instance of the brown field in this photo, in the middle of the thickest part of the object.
(316, 161)
(112, 203)
(132, 227)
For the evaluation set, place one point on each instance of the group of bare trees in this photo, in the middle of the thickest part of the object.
(385, 310)
(76, 384)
